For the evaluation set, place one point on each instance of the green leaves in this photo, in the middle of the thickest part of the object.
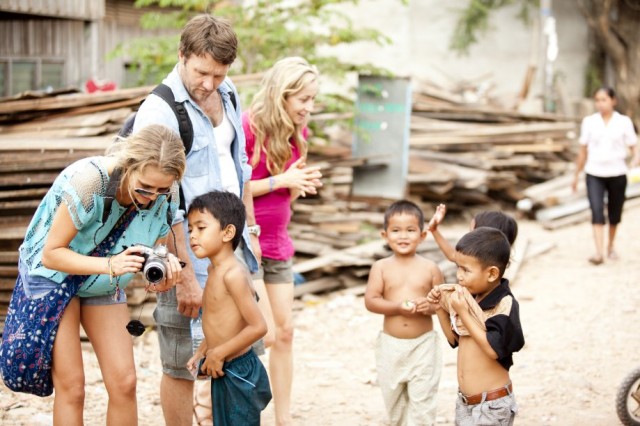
(267, 31)
(474, 19)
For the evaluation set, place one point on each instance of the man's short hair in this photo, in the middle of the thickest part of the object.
(209, 34)
(225, 207)
(404, 207)
(489, 245)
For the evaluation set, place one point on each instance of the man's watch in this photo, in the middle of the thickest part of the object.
(254, 229)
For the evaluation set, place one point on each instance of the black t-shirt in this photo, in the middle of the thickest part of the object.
(504, 331)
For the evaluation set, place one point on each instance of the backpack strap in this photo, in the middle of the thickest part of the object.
(178, 108)
(184, 125)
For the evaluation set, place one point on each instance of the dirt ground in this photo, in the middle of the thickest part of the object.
(579, 323)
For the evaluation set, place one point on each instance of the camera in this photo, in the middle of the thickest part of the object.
(154, 268)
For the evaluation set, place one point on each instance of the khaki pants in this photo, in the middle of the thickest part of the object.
(409, 374)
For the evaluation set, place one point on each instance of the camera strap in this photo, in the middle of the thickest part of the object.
(110, 195)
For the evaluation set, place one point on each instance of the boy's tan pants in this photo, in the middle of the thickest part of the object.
(408, 374)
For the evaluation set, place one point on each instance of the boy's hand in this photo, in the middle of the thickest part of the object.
(434, 296)
(213, 364)
(423, 306)
(192, 364)
(408, 307)
(458, 303)
(437, 218)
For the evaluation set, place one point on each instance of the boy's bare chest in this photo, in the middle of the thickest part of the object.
(407, 282)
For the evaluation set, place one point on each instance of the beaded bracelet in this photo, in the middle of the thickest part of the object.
(110, 270)
(272, 182)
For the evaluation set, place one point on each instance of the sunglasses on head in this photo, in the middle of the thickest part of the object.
(147, 193)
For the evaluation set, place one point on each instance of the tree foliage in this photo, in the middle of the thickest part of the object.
(474, 19)
(267, 30)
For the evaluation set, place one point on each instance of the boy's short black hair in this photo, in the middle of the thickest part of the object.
(225, 207)
(404, 207)
(500, 221)
(489, 245)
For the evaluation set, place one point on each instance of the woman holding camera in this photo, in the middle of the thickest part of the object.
(94, 228)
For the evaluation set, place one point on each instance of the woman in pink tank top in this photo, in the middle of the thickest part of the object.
(276, 132)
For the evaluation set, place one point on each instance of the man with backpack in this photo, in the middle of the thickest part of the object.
(216, 160)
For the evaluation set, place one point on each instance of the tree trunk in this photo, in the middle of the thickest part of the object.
(615, 24)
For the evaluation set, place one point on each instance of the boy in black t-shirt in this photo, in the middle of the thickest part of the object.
(485, 349)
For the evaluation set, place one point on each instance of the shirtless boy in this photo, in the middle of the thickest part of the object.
(408, 355)
(484, 355)
(231, 319)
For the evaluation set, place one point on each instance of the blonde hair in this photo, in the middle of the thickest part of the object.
(268, 114)
(152, 146)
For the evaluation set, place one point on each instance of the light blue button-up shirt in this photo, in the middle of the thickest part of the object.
(203, 165)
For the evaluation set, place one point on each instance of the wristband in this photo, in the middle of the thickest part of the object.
(272, 182)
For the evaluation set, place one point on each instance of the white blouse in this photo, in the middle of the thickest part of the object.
(607, 144)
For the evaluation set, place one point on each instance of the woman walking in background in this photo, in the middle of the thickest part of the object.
(606, 138)
(276, 132)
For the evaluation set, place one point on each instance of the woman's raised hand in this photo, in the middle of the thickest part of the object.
(303, 178)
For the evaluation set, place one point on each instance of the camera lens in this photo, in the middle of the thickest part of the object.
(154, 270)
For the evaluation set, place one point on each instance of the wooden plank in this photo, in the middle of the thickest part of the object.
(9, 256)
(316, 286)
(338, 256)
(22, 179)
(19, 194)
(583, 216)
(38, 144)
(73, 100)
(65, 122)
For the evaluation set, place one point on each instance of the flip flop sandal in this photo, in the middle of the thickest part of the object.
(595, 260)
(613, 255)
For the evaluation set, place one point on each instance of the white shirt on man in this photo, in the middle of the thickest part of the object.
(224, 136)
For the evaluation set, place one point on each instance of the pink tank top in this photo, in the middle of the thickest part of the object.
(273, 209)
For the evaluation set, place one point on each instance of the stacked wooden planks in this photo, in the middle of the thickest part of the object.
(469, 156)
(476, 155)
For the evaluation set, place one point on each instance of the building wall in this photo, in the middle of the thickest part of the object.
(41, 40)
(81, 41)
(87, 10)
(421, 33)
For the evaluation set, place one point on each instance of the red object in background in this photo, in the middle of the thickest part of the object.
(94, 85)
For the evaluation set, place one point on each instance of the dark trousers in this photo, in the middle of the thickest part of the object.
(614, 188)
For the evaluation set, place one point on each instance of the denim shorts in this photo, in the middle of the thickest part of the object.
(274, 271)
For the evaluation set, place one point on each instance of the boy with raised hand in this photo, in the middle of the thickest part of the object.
(485, 349)
(231, 319)
(408, 354)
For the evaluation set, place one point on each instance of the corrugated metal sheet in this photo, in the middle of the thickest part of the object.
(89, 10)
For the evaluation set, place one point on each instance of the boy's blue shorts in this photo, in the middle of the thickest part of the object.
(242, 393)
